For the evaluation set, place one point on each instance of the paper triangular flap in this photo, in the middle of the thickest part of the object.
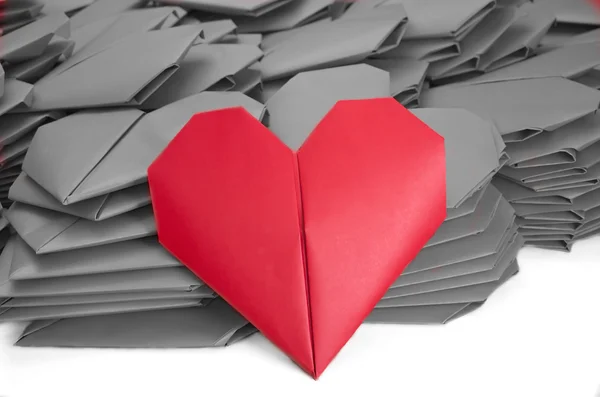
(65, 152)
(127, 162)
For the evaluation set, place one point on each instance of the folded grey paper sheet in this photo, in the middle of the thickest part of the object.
(520, 40)
(297, 108)
(160, 279)
(115, 82)
(519, 108)
(140, 254)
(15, 93)
(475, 45)
(513, 93)
(21, 10)
(205, 67)
(332, 43)
(47, 231)
(231, 7)
(576, 12)
(125, 153)
(288, 16)
(461, 128)
(439, 18)
(65, 300)
(31, 40)
(217, 324)
(569, 61)
(33, 70)
(99, 35)
(428, 50)
(406, 78)
(91, 309)
(26, 190)
(100, 9)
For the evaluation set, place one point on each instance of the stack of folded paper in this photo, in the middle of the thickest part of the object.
(85, 242)
(573, 17)
(475, 249)
(552, 131)
(107, 84)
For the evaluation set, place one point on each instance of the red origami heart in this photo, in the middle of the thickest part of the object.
(303, 244)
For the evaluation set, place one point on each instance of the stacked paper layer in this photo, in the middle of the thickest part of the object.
(92, 91)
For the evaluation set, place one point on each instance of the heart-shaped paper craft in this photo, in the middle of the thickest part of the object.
(302, 243)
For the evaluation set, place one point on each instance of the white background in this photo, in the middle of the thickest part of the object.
(539, 335)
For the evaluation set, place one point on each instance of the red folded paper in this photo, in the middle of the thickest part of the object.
(305, 243)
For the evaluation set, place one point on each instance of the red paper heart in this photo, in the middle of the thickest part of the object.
(303, 244)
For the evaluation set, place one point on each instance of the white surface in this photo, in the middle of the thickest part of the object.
(539, 335)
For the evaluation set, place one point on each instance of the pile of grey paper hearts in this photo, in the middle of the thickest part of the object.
(91, 91)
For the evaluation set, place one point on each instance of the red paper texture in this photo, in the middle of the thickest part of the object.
(303, 244)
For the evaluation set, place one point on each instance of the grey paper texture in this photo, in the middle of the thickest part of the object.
(214, 325)
(556, 147)
(58, 168)
(334, 43)
(15, 126)
(48, 231)
(92, 38)
(460, 129)
(124, 163)
(468, 294)
(216, 31)
(101, 9)
(139, 254)
(439, 18)
(230, 7)
(576, 12)
(124, 73)
(15, 93)
(31, 71)
(569, 61)
(469, 225)
(67, 300)
(205, 67)
(160, 279)
(436, 314)
(288, 16)
(27, 191)
(519, 108)
(297, 108)
(472, 247)
(67, 311)
(376, 9)
(31, 40)
(585, 159)
(428, 50)
(520, 40)
(482, 276)
(466, 208)
(475, 44)
(459, 269)
(21, 10)
(406, 78)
